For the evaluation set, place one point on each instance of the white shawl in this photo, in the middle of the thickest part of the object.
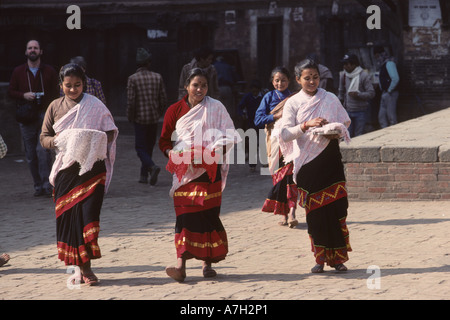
(300, 147)
(83, 123)
(85, 146)
(207, 125)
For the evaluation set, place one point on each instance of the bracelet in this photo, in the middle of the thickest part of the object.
(303, 126)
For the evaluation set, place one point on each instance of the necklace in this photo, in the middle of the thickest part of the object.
(278, 95)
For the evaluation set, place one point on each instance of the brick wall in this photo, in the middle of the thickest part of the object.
(408, 161)
(398, 181)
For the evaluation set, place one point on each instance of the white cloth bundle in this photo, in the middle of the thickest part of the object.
(333, 128)
(85, 146)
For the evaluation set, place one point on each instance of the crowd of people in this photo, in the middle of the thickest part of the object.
(70, 144)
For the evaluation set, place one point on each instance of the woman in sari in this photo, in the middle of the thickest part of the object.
(196, 135)
(282, 197)
(313, 122)
(82, 131)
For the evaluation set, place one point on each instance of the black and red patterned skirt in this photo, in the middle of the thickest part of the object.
(199, 232)
(322, 193)
(283, 195)
(78, 201)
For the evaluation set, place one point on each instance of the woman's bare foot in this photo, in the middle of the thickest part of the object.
(291, 221)
(284, 221)
(176, 274)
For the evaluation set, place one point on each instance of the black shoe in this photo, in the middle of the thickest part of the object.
(154, 171)
(39, 193)
(143, 179)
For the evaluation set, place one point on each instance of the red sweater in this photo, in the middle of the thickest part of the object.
(173, 113)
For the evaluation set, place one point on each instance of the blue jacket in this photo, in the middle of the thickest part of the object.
(270, 100)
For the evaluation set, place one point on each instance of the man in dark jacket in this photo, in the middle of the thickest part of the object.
(34, 85)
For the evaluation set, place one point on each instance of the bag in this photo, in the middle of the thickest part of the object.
(26, 113)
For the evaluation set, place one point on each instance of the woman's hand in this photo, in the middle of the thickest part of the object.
(317, 122)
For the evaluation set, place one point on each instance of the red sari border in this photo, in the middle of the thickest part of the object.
(83, 253)
(282, 208)
(192, 196)
(319, 199)
(78, 194)
(282, 172)
(203, 246)
(333, 256)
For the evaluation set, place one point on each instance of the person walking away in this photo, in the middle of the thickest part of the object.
(326, 76)
(226, 78)
(93, 86)
(388, 79)
(355, 91)
(146, 102)
(313, 120)
(203, 59)
(198, 161)
(33, 86)
(82, 130)
(246, 111)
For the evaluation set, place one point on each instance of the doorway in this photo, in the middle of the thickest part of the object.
(270, 41)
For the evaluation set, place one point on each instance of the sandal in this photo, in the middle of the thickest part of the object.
(90, 279)
(318, 268)
(340, 267)
(4, 258)
(209, 272)
(176, 274)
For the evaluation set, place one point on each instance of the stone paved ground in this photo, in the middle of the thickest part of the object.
(408, 242)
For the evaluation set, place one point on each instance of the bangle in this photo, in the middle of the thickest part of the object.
(303, 126)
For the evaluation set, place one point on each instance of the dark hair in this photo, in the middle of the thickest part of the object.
(39, 43)
(282, 70)
(193, 73)
(305, 64)
(203, 53)
(72, 69)
(79, 60)
(314, 57)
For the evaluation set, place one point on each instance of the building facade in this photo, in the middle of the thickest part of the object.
(255, 36)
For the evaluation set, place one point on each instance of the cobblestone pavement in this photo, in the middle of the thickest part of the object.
(401, 250)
